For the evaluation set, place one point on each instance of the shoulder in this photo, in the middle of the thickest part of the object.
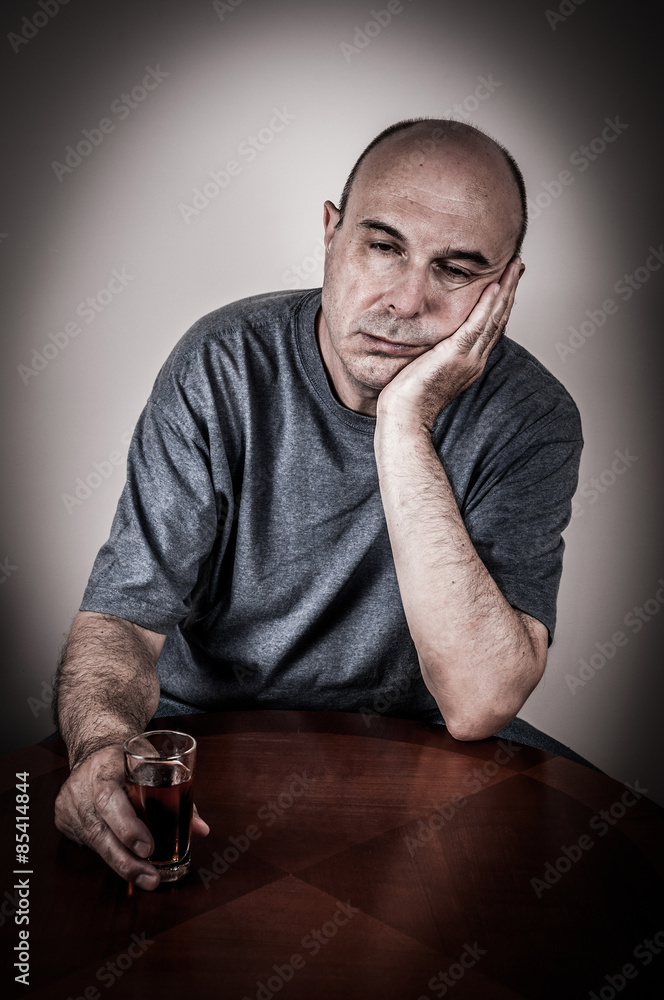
(235, 342)
(515, 399)
(266, 309)
(263, 316)
(515, 382)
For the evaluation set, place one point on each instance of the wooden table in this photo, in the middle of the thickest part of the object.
(355, 858)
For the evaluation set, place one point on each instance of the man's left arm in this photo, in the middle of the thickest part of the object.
(480, 657)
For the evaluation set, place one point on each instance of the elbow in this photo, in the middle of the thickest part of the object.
(469, 717)
(472, 717)
(481, 721)
(467, 730)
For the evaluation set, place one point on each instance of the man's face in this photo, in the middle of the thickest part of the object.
(422, 237)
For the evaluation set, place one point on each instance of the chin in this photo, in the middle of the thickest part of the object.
(377, 375)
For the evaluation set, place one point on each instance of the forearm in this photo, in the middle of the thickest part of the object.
(479, 656)
(106, 686)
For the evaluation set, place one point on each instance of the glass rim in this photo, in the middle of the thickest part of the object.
(156, 755)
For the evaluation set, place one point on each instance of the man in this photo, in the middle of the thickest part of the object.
(333, 496)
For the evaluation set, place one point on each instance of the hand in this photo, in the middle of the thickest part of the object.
(425, 386)
(92, 808)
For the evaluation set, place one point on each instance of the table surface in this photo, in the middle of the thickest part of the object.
(354, 857)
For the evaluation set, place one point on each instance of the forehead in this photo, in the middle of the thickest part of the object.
(447, 189)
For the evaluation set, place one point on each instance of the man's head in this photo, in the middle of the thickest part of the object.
(432, 213)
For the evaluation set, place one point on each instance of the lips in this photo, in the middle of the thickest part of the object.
(378, 345)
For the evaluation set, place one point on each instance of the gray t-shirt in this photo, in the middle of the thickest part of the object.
(251, 529)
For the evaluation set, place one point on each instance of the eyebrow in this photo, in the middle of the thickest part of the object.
(454, 253)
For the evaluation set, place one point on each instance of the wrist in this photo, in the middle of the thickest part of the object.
(111, 733)
(415, 408)
(401, 445)
(400, 426)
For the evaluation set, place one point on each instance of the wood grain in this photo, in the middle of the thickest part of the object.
(390, 858)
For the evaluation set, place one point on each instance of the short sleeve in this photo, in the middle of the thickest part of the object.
(169, 517)
(519, 506)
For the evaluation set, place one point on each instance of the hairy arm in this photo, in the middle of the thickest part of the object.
(480, 657)
(107, 687)
(107, 690)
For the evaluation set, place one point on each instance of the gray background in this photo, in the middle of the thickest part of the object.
(553, 86)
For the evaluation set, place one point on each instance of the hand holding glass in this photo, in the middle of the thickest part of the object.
(159, 773)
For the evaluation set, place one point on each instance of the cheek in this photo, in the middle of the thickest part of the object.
(457, 305)
(351, 287)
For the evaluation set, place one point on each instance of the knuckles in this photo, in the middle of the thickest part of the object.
(125, 867)
(103, 797)
(61, 814)
(92, 827)
(79, 807)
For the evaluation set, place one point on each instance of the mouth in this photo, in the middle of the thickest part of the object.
(381, 345)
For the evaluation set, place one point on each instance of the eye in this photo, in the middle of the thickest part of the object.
(456, 273)
(384, 248)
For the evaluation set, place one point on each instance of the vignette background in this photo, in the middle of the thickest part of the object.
(219, 71)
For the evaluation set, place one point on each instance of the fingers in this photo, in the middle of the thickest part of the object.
(93, 809)
(114, 807)
(428, 383)
(508, 284)
(198, 826)
(495, 305)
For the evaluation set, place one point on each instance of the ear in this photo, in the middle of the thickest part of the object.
(331, 216)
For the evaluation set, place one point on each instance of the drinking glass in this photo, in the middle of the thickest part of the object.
(159, 776)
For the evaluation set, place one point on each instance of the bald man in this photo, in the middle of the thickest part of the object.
(343, 499)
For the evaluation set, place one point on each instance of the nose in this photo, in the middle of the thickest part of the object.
(406, 296)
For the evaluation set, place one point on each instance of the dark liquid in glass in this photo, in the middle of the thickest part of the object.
(166, 811)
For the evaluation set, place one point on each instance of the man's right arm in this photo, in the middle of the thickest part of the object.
(107, 690)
